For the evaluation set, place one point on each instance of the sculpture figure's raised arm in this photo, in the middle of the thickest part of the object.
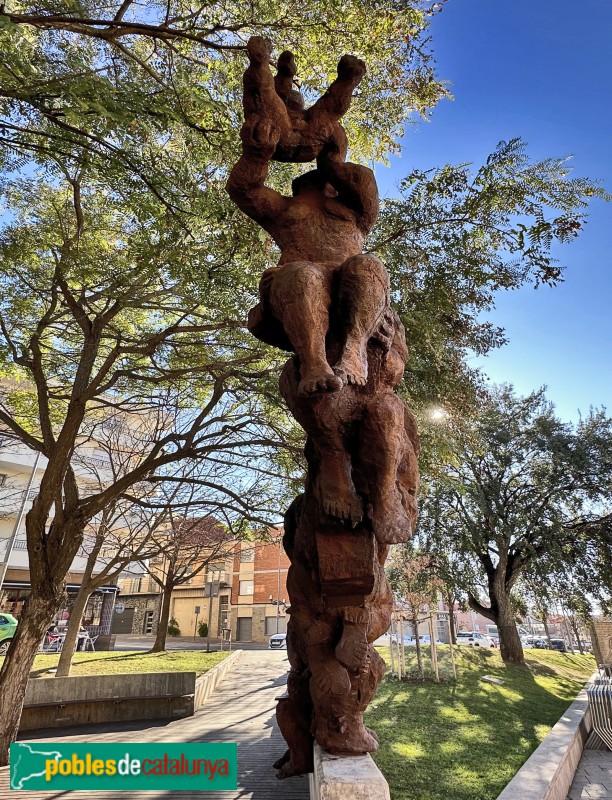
(247, 189)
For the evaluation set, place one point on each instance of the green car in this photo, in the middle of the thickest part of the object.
(8, 626)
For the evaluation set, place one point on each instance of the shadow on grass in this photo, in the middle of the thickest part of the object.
(464, 740)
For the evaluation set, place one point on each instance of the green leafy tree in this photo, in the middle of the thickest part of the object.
(526, 492)
(454, 238)
(101, 320)
(107, 79)
(415, 586)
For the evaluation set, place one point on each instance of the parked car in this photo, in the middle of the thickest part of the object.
(410, 640)
(534, 641)
(407, 640)
(278, 641)
(8, 626)
(474, 639)
(559, 644)
(426, 639)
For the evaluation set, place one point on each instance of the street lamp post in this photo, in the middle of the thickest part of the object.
(278, 603)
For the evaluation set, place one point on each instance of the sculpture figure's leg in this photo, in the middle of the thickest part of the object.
(363, 298)
(263, 108)
(384, 448)
(337, 99)
(294, 717)
(300, 299)
(334, 481)
(352, 649)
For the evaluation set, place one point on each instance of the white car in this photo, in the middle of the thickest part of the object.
(278, 641)
(474, 639)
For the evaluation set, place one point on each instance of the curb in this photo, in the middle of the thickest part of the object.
(207, 683)
(549, 771)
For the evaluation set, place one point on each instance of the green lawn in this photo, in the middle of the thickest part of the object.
(106, 663)
(465, 740)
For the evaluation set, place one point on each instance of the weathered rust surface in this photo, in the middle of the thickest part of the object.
(328, 303)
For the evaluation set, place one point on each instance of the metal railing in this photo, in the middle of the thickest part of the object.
(600, 703)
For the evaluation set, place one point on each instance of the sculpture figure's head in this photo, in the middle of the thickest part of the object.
(312, 182)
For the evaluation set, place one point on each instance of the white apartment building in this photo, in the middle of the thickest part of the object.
(18, 467)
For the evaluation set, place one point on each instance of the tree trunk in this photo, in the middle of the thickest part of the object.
(72, 632)
(546, 629)
(509, 639)
(162, 628)
(76, 616)
(450, 602)
(500, 612)
(35, 619)
(574, 625)
(417, 641)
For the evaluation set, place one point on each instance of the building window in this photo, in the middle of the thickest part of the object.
(246, 587)
(247, 554)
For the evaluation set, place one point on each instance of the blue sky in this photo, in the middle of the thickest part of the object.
(542, 71)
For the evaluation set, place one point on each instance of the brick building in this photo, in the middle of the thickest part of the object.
(259, 590)
(251, 599)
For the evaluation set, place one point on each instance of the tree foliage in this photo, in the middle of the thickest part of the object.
(455, 237)
(526, 495)
(109, 80)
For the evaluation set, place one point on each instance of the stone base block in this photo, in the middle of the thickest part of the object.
(346, 778)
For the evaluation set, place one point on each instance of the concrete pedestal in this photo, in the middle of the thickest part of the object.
(346, 778)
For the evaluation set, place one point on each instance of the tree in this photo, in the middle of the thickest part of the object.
(415, 586)
(526, 489)
(455, 237)
(123, 537)
(187, 547)
(105, 80)
(98, 322)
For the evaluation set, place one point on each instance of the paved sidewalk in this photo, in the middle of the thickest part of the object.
(242, 710)
(593, 778)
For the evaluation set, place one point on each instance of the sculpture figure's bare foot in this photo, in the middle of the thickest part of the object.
(372, 733)
(280, 762)
(290, 770)
(353, 367)
(352, 649)
(259, 49)
(390, 521)
(359, 740)
(318, 381)
(339, 498)
(352, 68)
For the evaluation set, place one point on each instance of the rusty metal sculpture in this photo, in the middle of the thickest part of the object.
(329, 304)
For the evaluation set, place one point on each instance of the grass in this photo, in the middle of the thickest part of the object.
(465, 740)
(114, 662)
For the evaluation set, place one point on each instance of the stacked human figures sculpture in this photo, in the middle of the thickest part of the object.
(328, 303)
